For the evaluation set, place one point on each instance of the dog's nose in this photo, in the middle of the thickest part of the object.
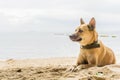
(70, 36)
(73, 36)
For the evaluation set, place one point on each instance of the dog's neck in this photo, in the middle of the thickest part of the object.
(95, 44)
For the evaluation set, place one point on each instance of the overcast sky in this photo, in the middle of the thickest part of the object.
(57, 15)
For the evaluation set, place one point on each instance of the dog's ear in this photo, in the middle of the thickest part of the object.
(81, 21)
(91, 25)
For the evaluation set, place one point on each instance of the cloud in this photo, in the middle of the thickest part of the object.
(45, 15)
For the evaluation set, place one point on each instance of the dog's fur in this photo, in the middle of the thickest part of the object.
(86, 34)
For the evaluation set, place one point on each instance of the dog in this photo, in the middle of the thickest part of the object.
(92, 51)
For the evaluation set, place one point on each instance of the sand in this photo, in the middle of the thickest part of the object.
(54, 69)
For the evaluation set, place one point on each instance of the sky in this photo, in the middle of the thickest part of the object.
(57, 15)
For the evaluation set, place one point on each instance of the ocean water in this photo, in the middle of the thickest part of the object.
(24, 45)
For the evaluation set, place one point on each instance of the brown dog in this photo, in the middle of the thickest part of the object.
(92, 51)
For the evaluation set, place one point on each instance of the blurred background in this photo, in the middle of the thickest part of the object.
(40, 28)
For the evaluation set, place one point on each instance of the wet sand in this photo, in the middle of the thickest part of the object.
(54, 69)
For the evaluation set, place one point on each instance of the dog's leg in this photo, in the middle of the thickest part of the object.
(80, 61)
(82, 66)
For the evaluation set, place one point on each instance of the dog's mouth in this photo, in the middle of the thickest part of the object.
(79, 39)
(75, 37)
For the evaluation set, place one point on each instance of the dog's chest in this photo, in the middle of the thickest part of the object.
(89, 55)
(91, 58)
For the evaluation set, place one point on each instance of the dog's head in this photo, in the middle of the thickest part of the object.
(85, 33)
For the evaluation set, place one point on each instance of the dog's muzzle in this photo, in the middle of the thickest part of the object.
(74, 37)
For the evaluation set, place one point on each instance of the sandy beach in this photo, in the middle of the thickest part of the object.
(54, 69)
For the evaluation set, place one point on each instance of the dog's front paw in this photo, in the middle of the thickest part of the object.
(71, 68)
(77, 68)
(74, 68)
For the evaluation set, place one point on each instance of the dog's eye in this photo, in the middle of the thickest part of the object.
(80, 31)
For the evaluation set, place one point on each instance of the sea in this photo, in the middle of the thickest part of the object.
(27, 45)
